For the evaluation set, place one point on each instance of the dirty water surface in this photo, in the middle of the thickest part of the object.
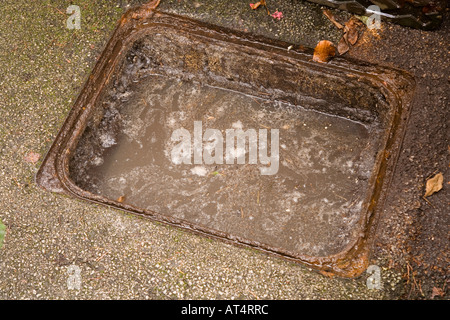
(233, 138)
(311, 204)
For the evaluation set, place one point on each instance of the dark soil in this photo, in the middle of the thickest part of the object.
(414, 232)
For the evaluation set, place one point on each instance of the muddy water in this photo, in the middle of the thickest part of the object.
(310, 206)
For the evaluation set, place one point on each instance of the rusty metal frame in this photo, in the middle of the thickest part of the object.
(396, 86)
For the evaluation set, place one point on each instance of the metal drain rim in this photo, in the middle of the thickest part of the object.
(351, 262)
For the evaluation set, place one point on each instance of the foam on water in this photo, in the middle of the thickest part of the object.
(311, 205)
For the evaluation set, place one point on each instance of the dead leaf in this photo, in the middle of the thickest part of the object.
(330, 16)
(255, 5)
(32, 157)
(352, 27)
(352, 36)
(355, 22)
(434, 184)
(324, 51)
(437, 292)
(121, 199)
(343, 45)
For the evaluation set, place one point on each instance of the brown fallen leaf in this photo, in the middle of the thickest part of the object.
(330, 16)
(434, 184)
(32, 157)
(351, 33)
(352, 27)
(343, 46)
(121, 199)
(324, 51)
(352, 36)
(256, 5)
(437, 292)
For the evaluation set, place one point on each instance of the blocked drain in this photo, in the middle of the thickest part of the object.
(235, 137)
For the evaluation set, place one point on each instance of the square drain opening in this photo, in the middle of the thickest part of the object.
(234, 137)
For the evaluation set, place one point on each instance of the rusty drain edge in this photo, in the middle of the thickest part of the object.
(53, 173)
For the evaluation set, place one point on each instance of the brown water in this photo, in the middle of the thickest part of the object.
(311, 205)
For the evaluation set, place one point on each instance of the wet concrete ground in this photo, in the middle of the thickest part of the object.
(43, 67)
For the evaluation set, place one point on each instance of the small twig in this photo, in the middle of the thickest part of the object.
(56, 9)
(225, 188)
(431, 174)
(353, 203)
(338, 195)
(263, 2)
(423, 197)
(101, 257)
(330, 17)
(256, 100)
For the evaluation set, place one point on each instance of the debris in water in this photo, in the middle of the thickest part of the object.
(200, 171)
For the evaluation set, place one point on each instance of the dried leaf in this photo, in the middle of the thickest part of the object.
(121, 199)
(352, 29)
(32, 157)
(434, 184)
(343, 45)
(352, 36)
(355, 22)
(437, 292)
(258, 4)
(330, 16)
(255, 5)
(324, 51)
